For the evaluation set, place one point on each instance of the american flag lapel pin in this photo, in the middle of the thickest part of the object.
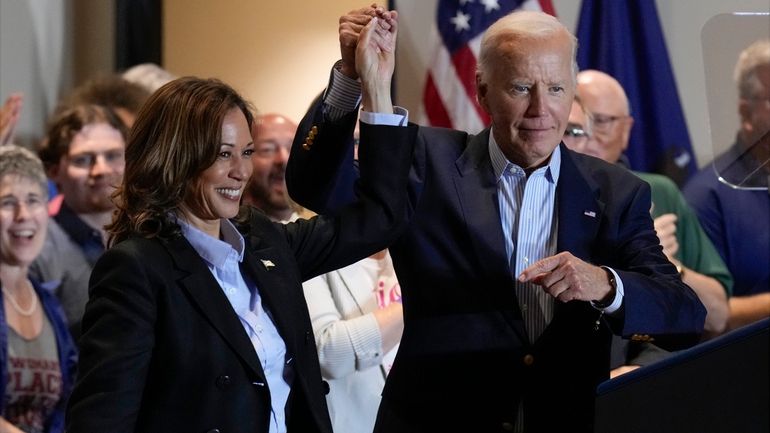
(269, 265)
(589, 213)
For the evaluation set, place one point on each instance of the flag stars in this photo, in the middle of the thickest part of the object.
(461, 21)
(490, 5)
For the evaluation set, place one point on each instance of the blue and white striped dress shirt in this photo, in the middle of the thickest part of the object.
(223, 257)
(527, 209)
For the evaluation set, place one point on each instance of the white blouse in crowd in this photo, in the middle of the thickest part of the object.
(348, 338)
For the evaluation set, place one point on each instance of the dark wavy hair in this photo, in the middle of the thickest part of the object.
(63, 127)
(177, 135)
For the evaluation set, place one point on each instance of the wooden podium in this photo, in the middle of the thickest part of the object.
(720, 386)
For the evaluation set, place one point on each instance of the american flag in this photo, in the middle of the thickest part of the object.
(449, 99)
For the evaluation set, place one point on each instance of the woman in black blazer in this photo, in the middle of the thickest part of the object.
(196, 320)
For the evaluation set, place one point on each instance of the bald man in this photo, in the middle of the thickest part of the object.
(611, 122)
(273, 135)
(681, 235)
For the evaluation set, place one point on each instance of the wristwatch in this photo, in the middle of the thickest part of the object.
(613, 290)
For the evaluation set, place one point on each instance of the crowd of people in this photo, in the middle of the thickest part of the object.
(174, 260)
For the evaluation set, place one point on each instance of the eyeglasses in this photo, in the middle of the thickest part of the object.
(270, 149)
(575, 131)
(603, 122)
(86, 160)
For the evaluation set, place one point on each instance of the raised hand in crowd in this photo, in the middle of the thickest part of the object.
(9, 117)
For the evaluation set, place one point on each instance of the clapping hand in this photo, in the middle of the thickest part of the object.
(9, 117)
(665, 227)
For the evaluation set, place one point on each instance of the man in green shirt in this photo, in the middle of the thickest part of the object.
(604, 133)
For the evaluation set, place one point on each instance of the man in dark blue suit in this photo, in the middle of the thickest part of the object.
(521, 258)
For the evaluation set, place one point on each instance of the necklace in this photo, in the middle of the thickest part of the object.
(12, 300)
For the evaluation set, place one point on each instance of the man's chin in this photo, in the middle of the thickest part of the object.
(102, 206)
(279, 198)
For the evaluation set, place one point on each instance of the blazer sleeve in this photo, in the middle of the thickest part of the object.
(656, 301)
(372, 222)
(321, 172)
(117, 342)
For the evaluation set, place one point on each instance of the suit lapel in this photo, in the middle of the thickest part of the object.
(477, 190)
(278, 298)
(579, 212)
(204, 291)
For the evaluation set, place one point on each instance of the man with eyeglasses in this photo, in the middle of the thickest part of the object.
(610, 120)
(578, 130)
(266, 190)
(738, 221)
(683, 240)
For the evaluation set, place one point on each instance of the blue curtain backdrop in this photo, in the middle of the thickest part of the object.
(623, 38)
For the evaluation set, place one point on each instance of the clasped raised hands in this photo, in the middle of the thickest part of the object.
(351, 25)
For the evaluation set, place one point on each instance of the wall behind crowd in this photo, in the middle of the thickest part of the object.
(279, 53)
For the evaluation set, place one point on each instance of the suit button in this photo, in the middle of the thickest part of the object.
(325, 386)
(528, 360)
(507, 426)
(307, 337)
(223, 381)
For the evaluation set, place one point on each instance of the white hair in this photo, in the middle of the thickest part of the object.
(148, 75)
(525, 25)
(19, 161)
(750, 60)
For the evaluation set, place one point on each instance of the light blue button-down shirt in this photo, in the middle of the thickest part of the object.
(223, 257)
(527, 208)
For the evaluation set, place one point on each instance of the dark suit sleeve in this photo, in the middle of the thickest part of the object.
(117, 342)
(656, 302)
(370, 223)
(321, 173)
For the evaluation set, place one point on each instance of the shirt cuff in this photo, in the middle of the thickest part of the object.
(343, 95)
(618, 301)
(400, 117)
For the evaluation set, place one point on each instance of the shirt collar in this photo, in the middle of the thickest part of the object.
(76, 228)
(500, 163)
(215, 251)
(293, 217)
